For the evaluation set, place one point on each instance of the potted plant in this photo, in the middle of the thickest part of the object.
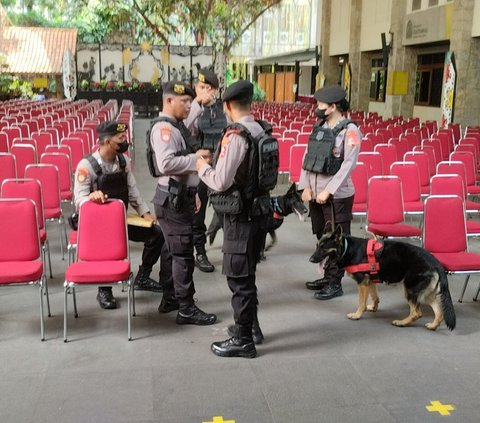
(84, 84)
(103, 84)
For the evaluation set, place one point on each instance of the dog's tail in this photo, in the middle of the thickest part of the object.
(446, 301)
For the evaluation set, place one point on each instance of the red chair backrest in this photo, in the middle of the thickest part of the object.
(410, 177)
(389, 155)
(284, 147)
(8, 167)
(297, 152)
(47, 174)
(24, 156)
(421, 159)
(383, 190)
(360, 182)
(62, 162)
(373, 162)
(447, 184)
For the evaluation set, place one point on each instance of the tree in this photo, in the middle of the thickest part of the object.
(219, 23)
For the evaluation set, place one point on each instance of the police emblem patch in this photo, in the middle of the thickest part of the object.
(352, 138)
(82, 174)
(165, 134)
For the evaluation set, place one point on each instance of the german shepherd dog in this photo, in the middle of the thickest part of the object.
(424, 279)
(282, 205)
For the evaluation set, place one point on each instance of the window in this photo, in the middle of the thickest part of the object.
(378, 80)
(429, 79)
(416, 5)
(432, 3)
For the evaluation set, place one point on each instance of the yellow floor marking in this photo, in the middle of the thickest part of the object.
(219, 419)
(437, 406)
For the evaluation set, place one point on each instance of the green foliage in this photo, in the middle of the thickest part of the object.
(258, 93)
(13, 87)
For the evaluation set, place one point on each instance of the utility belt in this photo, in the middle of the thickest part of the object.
(231, 202)
(179, 193)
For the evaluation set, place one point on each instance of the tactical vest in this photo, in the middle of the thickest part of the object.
(191, 144)
(257, 174)
(115, 185)
(319, 157)
(211, 123)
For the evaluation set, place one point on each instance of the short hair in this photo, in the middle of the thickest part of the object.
(343, 105)
(241, 104)
(101, 138)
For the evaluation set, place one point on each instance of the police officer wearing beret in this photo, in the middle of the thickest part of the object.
(243, 234)
(206, 122)
(107, 174)
(175, 200)
(331, 156)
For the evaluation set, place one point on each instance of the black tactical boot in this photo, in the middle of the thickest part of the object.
(202, 262)
(105, 298)
(194, 316)
(330, 291)
(168, 304)
(257, 334)
(143, 282)
(317, 284)
(241, 345)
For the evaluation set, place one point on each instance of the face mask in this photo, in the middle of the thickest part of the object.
(320, 113)
(123, 147)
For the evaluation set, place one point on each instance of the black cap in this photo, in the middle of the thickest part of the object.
(330, 95)
(208, 77)
(111, 127)
(178, 88)
(239, 91)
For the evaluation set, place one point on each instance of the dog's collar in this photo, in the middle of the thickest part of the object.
(372, 266)
(277, 208)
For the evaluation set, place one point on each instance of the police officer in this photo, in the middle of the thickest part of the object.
(206, 122)
(243, 233)
(331, 156)
(107, 174)
(175, 200)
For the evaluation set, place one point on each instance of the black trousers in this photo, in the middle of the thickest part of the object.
(321, 215)
(199, 228)
(154, 247)
(242, 244)
(177, 229)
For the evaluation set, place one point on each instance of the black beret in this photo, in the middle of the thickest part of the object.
(330, 95)
(208, 77)
(178, 88)
(240, 91)
(111, 128)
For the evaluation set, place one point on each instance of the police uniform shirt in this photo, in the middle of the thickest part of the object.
(233, 150)
(191, 122)
(339, 185)
(166, 141)
(86, 182)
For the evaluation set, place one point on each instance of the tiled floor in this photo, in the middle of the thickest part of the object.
(315, 364)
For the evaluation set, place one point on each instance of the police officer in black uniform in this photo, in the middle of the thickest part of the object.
(331, 156)
(206, 122)
(107, 174)
(232, 179)
(176, 201)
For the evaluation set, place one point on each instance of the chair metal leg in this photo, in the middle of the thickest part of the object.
(133, 299)
(48, 298)
(46, 253)
(464, 288)
(129, 306)
(74, 301)
(478, 292)
(65, 316)
(42, 322)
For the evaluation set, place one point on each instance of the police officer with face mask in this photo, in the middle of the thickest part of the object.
(331, 156)
(206, 122)
(107, 174)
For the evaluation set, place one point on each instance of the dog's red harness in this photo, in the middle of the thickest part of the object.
(372, 266)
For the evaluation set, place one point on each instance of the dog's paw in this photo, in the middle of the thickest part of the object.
(431, 326)
(372, 307)
(399, 323)
(354, 316)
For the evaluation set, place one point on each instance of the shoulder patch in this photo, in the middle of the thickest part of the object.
(352, 138)
(231, 132)
(82, 174)
(165, 133)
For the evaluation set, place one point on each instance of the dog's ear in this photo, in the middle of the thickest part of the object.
(328, 227)
(292, 189)
(338, 232)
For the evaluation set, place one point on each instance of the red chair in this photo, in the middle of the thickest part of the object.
(430, 152)
(62, 162)
(437, 148)
(76, 148)
(291, 134)
(468, 160)
(42, 139)
(303, 138)
(20, 253)
(24, 155)
(11, 134)
(374, 139)
(31, 189)
(373, 161)
(445, 220)
(297, 152)
(360, 182)
(421, 159)
(446, 140)
(284, 147)
(8, 166)
(102, 253)
(366, 145)
(296, 126)
(401, 145)
(47, 174)
(389, 156)
(412, 140)
(387, 221)
(410, 177)
(385, 133)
